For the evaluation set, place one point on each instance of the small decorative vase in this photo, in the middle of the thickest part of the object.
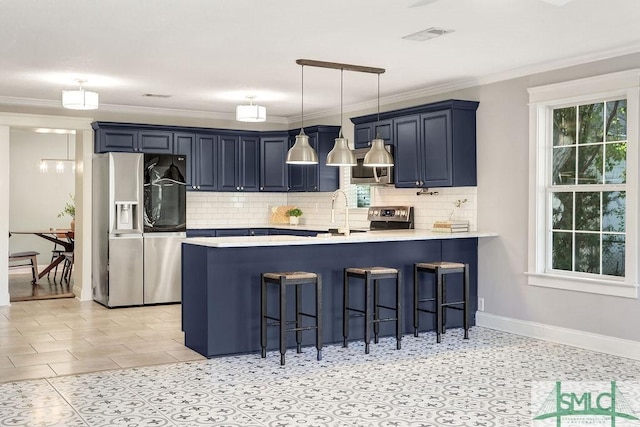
(294, 220)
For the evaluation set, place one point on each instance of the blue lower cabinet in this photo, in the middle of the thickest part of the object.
(224, 283)
(232, 232)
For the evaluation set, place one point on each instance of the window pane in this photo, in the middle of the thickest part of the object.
(613, 211)
(561, 251)
(615, 164)
(588, 253)
(564, 126)
(613, 255)
(590, 164)
(564, 166)
(617, 120)
(591, 123)
(588, 211)
(562, 218)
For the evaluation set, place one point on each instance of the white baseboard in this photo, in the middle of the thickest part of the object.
(572, 337)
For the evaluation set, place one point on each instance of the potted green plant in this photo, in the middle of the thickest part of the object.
(70, 209)
(294, 215)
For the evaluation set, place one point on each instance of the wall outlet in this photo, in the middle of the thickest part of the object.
(480, 304)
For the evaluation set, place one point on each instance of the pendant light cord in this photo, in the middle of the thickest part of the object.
(302, 101)
(341, 98)
(378, 97)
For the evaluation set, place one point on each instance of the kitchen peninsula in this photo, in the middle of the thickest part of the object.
(221, 280)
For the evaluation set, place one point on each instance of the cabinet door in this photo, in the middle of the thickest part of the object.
(184, 144)
(117, 140)
(206, 156)
(232, 232)
(296, 174)
(437, 145)
(311, 172)
(407, 153)
(249, 163)
(228, 171)
(273, 167)
(384, 130)
(155, 142)
(362, 135)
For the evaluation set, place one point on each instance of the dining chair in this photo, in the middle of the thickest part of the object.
(25, 259)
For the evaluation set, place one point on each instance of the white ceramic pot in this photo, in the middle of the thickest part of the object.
(294, 220)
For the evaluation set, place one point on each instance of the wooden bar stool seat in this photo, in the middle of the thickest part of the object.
(372, 275)
(283, 280)
(440, 269)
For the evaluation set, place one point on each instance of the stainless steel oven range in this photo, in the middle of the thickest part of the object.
(390, 218)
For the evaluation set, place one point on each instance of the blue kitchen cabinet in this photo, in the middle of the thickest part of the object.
(129, 139)
(184, 143)
(364, 133)
(238, 162)
(205, 161)
(232, 232)
(273, 156)
(434, 144)
(318, 177)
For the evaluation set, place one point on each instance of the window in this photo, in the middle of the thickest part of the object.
(582, 195)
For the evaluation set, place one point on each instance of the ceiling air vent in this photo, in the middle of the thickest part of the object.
(429, 33)
(155, 95)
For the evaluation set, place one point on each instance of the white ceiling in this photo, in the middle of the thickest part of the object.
(209, 54)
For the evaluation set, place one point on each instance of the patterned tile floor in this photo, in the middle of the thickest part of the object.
(485, 381)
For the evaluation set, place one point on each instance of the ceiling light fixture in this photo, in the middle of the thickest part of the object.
(378, 156)
(302, 153)
(59, 163)
(251, 113)
(341, 154)
(428, 34)
(79, 99)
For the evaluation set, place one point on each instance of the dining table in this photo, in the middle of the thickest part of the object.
(60, 236)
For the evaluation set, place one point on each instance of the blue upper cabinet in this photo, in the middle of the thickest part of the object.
(133, 140)
(364, 133)
(434, 144)
(238, 162)
(205, 158)
(184, 143)
(273, 155)
(318, 177)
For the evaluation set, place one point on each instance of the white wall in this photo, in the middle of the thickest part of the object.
(35, 198)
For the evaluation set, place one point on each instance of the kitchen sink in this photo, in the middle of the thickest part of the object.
(334, 231)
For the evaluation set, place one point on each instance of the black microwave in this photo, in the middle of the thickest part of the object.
(361, 174)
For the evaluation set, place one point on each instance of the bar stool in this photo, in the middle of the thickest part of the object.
(32, 262)
(440, 269)
(283, 280)
(369, 275)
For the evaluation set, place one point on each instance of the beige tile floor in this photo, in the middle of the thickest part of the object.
(48, 338)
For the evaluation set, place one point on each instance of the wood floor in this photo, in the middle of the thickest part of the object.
(21, 288)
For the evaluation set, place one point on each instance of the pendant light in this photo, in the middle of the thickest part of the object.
(251, 113)
(302, 153)
(59, 163)
(79, 99)
(378, 156)
(341, 155)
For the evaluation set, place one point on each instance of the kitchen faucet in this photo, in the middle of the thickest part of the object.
(334, 196)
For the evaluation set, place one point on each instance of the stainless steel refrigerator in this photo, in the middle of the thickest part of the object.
(139, 222)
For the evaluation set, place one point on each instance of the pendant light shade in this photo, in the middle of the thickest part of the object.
(79, 99)
(251, 112)
(302, 153)
(378, 156)
(341, 155)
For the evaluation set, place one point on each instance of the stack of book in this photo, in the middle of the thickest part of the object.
(451, 226)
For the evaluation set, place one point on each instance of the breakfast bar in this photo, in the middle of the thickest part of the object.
(221, 280)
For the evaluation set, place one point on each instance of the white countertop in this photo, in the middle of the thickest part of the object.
(368, 237)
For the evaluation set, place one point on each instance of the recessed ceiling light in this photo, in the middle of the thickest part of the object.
(429, 33)
(156, 95)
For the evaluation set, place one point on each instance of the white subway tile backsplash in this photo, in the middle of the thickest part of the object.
(211, 210)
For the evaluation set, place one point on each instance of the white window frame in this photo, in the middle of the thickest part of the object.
(542, 100)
